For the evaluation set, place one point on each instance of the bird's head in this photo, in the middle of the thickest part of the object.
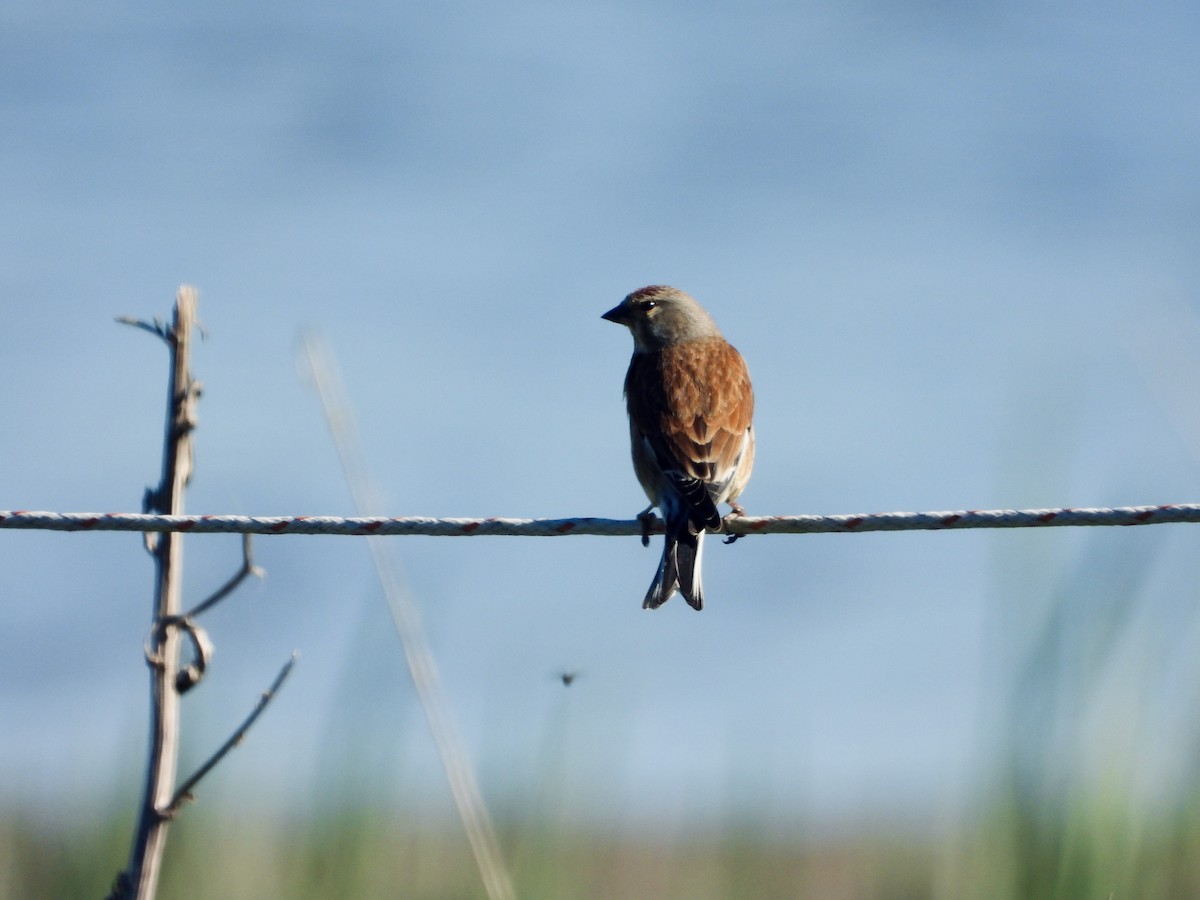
(659, 316)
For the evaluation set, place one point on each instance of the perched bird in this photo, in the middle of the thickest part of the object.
(690, 408)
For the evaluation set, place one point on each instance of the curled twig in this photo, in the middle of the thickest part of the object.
(202, 649)
(186, 677)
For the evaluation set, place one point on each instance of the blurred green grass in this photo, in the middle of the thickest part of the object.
(1090, 848)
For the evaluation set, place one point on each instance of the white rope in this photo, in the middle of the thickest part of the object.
(420, 525)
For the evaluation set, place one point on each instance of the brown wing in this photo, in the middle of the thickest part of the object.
(693, 402)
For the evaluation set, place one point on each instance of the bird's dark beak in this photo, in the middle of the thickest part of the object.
(617, 314)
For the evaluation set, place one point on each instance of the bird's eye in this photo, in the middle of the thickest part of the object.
(648, 305)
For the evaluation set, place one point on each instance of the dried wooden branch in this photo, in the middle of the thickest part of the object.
(140, 878)
(161, 800)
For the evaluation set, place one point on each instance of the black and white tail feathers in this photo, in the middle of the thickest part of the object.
(688, 512)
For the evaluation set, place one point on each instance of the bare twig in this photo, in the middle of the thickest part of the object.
(248, 569)
(184, 792)
(157, 328)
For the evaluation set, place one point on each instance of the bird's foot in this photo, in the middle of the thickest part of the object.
(646, 518)
(737, 511)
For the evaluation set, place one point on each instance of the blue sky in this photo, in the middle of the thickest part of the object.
(956, 247)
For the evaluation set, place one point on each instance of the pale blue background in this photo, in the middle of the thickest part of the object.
(957, 246)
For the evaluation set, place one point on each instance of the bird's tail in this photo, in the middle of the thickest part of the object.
(679, 569)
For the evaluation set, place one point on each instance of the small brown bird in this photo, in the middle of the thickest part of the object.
(690, 408)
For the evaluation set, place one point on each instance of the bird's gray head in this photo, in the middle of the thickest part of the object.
(659, 316)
